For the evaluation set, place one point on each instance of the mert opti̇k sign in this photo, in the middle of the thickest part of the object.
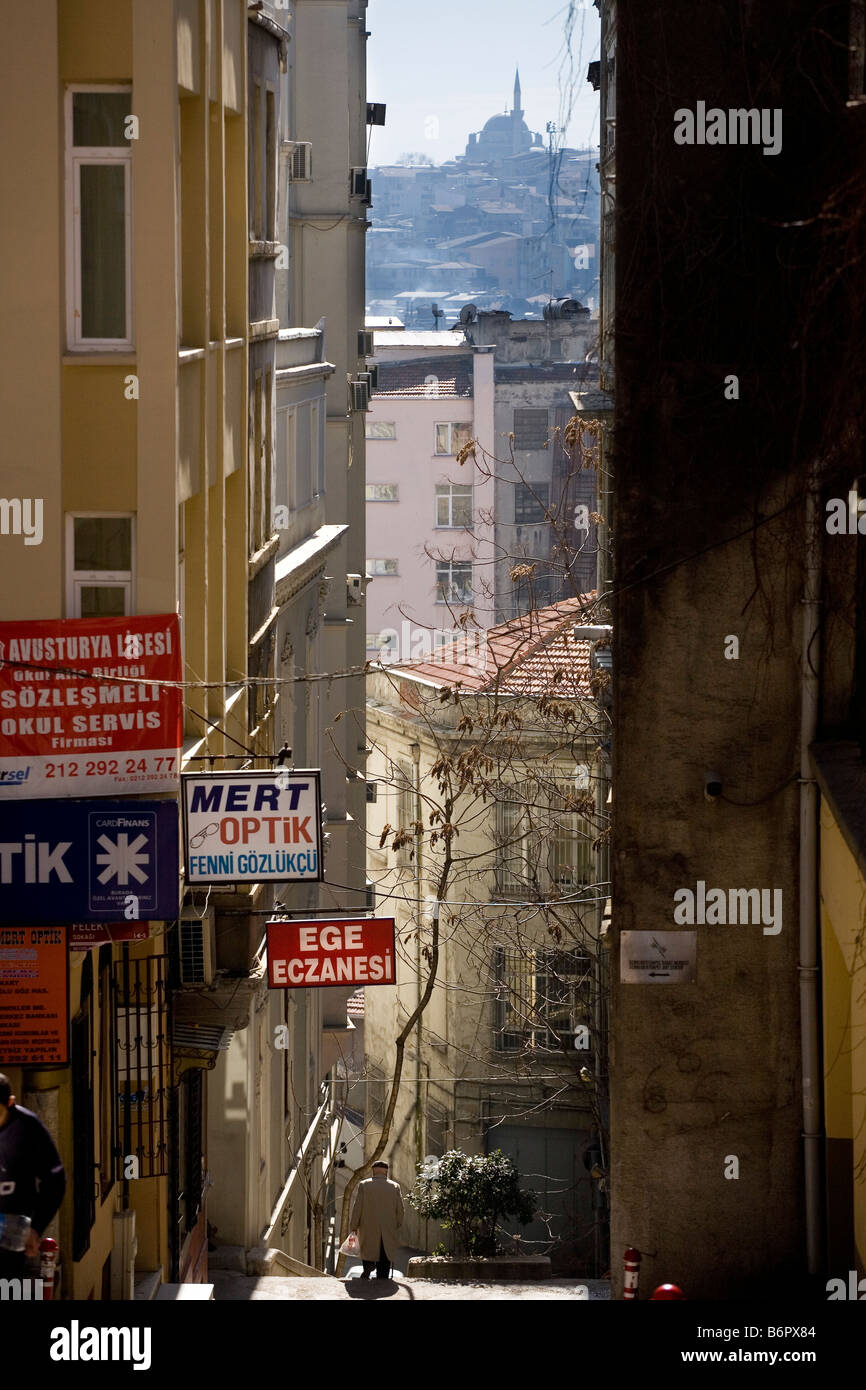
(339, 951)
(82, 712)
(252, 827)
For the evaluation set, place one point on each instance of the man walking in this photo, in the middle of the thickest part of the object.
(377, 1215)
(32, 1176)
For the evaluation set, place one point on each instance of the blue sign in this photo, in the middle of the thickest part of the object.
(88, 861)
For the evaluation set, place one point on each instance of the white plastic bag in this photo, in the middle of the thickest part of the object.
(351, 1245)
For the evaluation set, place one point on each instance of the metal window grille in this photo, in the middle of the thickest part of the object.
(83, 1156)
(192, 952)
(511, 842)
(531, 501)
(570, 859)
(542, 997)
(531, 429)
(143, 1062)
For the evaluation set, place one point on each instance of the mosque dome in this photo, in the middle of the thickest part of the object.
(502, 135)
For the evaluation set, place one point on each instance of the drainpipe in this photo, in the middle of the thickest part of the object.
(415, 750)
(808, 968)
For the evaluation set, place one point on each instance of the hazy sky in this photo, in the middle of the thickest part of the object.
(445, 66)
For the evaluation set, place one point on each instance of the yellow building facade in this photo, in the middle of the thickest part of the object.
(124, 412)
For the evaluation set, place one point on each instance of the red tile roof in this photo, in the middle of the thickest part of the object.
(355, 1004)
(528, 656)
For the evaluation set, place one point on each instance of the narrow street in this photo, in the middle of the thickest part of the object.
(240, 1288)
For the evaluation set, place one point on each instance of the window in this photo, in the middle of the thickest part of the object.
(454, 504)
(404, 783)
(437, 1130)
(454, 581)
(99, 219)
(268, 470)
(257, 228)
(857, 51)
(317, 448)
(531, 501)
(513, 846)
(380, 429)
(271, 171)
(542, 849)
(382, 567)
(99, 551)
(256, 469)
(570, 853)
(107, 1078)
(530, 429)
(375, 1107)
(383, 492)
(83, 1152)
(542, 997)
(451, 438)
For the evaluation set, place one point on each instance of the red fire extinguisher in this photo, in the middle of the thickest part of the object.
(47, 1261)
(632, 1272)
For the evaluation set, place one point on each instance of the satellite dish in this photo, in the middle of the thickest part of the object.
(469, 313)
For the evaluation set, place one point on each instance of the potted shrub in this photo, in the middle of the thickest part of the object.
(468, 1194)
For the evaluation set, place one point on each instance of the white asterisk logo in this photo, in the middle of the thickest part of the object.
(122, 859)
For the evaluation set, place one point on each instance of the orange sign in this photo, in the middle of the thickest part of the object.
(34, 997)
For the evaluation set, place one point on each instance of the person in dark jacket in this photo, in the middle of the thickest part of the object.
(32, 1176)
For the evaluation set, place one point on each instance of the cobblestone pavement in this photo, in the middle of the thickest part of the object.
(241, 1287)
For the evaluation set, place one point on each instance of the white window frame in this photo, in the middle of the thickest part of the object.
(76, 580)
(441, 494)
(380, 424)
(450, 598)
(93, 154)
(451, 426)
(382, 574)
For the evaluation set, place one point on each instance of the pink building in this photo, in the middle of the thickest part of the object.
(430, 551)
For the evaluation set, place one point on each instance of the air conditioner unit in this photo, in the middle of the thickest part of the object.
(359, 183)
(354, 589)
(368, 192)
(197, 962)
(301, 164)
(365, 343)
(360, 391)
(371, 376)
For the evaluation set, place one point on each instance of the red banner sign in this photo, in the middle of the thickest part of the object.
(34, 996)
(81, 712)
(88, 936)
(337, 951)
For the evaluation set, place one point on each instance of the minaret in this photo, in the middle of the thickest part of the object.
(516, 116)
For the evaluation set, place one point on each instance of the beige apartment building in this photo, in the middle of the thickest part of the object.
(181, 431)
(509, 1053)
